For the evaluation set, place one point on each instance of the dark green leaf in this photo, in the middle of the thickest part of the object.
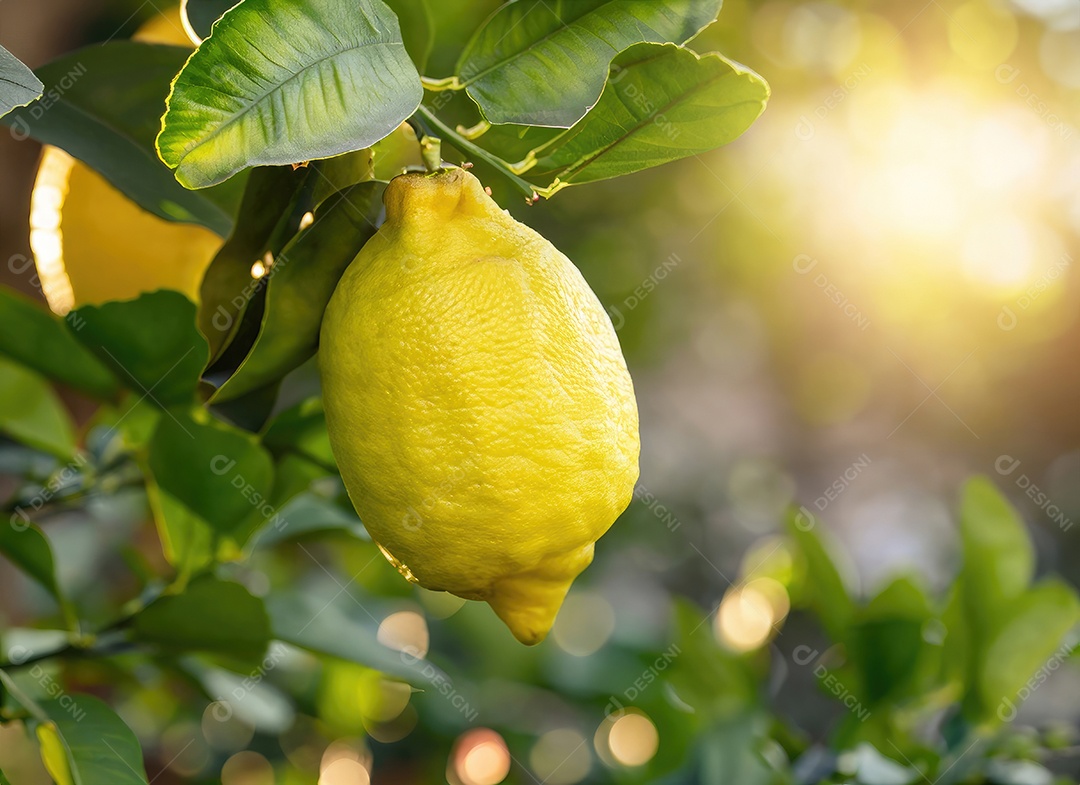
(18, 85)
(302, 430)
(151, 343)
(417, 28)
(300, 283)
(25, 545)
(271, 197)
(252, 410)
(326, 625)
(87, 744)
(536, 62)
(209, 615)
(886, 642)
(201, 14)
(251, 95)
(222, 475)
(34, 337)
(662, 103)
(822, 588)
(103, 105)
(31, 413)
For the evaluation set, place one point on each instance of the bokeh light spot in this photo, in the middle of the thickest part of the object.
(480, 757)
(584, 624)
(561, 757)
(247, 768)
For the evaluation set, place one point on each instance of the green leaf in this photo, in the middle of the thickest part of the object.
(325, 625)
(34, 337)
(271, 197)
(188, 542)
(301, 281)
(151, 343)
(31, 413)
(201, 14)
(537, 62)
(999, 559)
(85, 743)
(662, 103)
(307, 514)
(1027, 648)
(3, 779)
(417, 28)
(302, 430)
(822, 588)
(210, 615)
(103, 105)
(730, 752)
(706, 677)
(28, 549)
(285, 81)
(18, 85)
(221, 474)
(886, 642)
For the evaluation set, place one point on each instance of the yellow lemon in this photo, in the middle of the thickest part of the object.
(477, 400)
(92, 244)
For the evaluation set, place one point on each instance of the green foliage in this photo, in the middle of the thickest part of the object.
(250, 96)
(18, 85)
(25, 545)
(325, 626)
(31, 413)
(302, 279)
(34, 337)
(103, 105)
(84, 742)
(662, 103)
(540, 63)
(210, 420)
(909, 656)
(209, 615)
(150, 343)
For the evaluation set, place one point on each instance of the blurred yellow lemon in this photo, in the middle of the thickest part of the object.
(477, 400)
(92, 244)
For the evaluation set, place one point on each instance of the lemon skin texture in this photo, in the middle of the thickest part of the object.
(478, 403)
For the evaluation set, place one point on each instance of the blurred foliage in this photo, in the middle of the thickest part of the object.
(901, 221)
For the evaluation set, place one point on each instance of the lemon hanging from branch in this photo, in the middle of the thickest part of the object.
(478, 403)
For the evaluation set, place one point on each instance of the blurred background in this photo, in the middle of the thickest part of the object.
(866, 299)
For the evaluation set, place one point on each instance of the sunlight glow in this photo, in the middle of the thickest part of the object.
(46, 236)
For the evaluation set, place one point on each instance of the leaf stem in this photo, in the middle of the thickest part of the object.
(459, 141)
(438, 85)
